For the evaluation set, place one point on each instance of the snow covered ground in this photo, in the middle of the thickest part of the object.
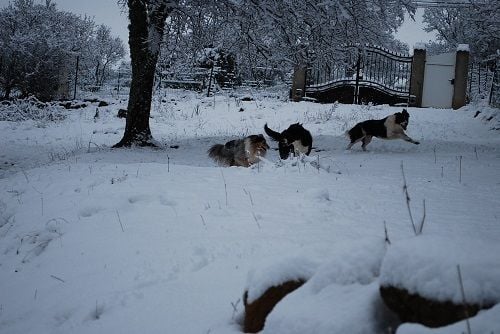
(101, 240)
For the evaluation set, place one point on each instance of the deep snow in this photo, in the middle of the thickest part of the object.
(101, 240)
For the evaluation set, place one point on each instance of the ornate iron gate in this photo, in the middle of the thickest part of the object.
(360, 75)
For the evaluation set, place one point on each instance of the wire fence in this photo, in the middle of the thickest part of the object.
(484, 81)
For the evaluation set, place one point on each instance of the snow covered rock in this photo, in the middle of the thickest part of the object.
(343, 290)
(256, 312)
(421, 283)
(486, 322)
(270, 283)
(330, 298)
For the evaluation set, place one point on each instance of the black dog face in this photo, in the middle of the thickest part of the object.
(285, 149)
(402, 118)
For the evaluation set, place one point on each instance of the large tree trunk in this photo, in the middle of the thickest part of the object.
(147, 19)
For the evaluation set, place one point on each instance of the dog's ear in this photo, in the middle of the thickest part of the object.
(405, 112)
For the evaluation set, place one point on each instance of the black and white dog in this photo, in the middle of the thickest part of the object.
(296, 139)
(391, 127)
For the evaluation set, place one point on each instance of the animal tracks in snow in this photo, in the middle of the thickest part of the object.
(35, 243)
(89, 211)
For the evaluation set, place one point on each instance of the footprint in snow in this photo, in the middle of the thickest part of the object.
(89, 211)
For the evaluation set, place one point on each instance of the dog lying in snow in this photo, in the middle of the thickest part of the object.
(239, 152)
(391, 127)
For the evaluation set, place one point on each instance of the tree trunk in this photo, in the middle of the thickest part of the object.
(7, 92)
(96, 77)
(147, 19)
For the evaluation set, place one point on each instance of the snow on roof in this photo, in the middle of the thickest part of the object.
(463, 47)
(420, 265)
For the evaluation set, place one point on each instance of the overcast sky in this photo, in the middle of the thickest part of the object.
(108, 12)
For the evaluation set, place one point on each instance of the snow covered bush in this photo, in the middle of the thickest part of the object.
(30, 109)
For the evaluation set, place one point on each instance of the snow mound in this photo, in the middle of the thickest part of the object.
(342, 291)
(358, 263)
(427, 265)
(349, 309)
(484, 322)
(269, 274)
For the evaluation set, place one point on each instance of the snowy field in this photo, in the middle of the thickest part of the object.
(101, 240)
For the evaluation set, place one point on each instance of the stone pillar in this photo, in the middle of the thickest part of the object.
(299, 83)
(461, 73)
(417, 74)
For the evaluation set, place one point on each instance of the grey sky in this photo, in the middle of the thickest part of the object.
(108, 12)
(412, 32)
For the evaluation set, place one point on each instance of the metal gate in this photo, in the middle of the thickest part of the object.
(361, 74)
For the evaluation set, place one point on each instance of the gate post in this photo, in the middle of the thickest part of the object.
(461, 72)
(417, 74)
(299, 83)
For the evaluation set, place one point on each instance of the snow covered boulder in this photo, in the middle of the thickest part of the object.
(256, 311)
(269, 284)
(420, 279)
(485, 321)
(341, 297)
(334, 295)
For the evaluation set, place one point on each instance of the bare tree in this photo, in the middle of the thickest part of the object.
(276, 34)
(108, 51)
(477, 25)
(146, 29)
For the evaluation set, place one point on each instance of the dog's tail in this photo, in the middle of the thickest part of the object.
(221, 155)
(273, 134)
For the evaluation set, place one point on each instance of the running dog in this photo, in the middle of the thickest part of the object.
(239, 152)
(296, 139)
(391, 127)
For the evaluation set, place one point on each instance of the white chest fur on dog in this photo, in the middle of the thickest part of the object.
(299, 148)
(394, 130)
